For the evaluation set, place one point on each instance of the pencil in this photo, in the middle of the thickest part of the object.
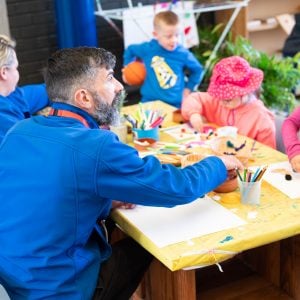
(255, 174)
(245, 174)
(238, 173)
(261, 173)
(253, 145)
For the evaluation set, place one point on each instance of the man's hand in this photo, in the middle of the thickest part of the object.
(120, 204)
(295, 163)
(231, 162)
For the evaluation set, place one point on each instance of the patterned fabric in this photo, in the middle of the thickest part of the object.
(233, 77)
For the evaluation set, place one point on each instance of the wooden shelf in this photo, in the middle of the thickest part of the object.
(237, 282)
(262, 25)
(265, 16)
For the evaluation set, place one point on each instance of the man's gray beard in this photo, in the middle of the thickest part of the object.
(107, 114)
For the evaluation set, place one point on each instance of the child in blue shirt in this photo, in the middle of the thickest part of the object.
(166, 63)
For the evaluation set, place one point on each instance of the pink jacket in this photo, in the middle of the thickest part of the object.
(290, 128)
(252, 119)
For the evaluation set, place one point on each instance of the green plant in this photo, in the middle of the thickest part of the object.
(208, 37)
(281, 75)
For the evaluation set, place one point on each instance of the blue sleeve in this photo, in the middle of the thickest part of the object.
(123, 174)
(195, 72)
(133, 52)
(36, 97)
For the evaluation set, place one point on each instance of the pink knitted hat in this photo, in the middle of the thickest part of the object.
(233, 77)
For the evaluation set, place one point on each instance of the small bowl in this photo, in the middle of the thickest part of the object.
(227, 187)
(143, 144)
(230, 184)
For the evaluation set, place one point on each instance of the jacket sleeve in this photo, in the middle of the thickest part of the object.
(192, 104)
(290, 129)
(132, 53)
(123, 175)
(36, 97)
(195, 72)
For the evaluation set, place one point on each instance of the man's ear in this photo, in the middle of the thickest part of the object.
(83, 99)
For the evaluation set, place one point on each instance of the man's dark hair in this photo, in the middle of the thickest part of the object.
(73, 68)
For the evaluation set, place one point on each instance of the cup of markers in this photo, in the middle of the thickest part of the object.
(250, 185)
(145, 123)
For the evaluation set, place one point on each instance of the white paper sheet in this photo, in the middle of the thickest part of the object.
(182, 133)
(275, 175)
(165, 226)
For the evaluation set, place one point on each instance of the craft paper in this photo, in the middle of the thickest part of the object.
(138, 23)
(275, 175)
(182, 132)
(165, 226)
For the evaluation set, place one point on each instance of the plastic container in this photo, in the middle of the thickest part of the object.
(152, 133)
(250, 192)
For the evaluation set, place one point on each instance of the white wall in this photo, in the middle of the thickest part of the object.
(4, 25)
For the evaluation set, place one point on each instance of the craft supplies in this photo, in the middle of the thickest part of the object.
(250, 184)
(145, 119)
(152, 133)
(232, 146)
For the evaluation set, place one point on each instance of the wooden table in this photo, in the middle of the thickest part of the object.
(277, 218)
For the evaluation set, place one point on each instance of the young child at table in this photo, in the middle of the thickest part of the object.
(291, 140)
(231, 100)
(167, 63)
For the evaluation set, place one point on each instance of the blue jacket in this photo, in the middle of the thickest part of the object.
(166, 71)
(21, 104)
(57, 178)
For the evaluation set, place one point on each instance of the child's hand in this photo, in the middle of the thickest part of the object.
(197, 122)
(295, 163)
(186, 92)
(123, 77)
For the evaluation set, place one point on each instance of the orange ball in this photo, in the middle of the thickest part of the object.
(134, 73)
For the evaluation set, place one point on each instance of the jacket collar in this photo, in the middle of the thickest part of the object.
(69, 111)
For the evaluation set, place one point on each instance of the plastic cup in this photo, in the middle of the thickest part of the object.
(120, 131)
(250, 192)
(152, 133)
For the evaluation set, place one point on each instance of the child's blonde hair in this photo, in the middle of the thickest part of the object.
(166, 17)
(7, 50)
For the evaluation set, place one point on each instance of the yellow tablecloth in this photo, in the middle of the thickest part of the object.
(277, 217)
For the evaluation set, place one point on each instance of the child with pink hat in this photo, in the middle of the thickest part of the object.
(231, 100)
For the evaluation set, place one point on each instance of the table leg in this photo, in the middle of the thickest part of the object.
(163, 284)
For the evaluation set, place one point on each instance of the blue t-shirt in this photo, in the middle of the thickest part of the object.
(166, 71)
